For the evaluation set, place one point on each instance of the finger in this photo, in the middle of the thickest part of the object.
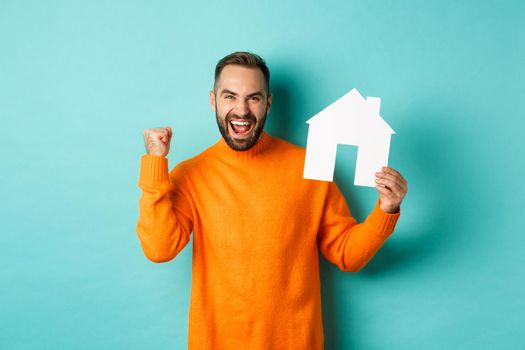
(391, 177)
(392, 171)
(384, 175)
(383, 189)
(396, 191)
(394, 186)
(162, 135)
(158, 139)
(154, 136)
(385, 193)
(394, 178)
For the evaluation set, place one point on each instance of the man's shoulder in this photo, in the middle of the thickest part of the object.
(283, 145)
(284, 148)
(188, 164)
(196, 160)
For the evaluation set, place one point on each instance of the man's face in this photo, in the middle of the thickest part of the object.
(240, 103)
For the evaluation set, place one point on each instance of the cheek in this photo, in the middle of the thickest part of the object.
(261, 110)
(225, 111)
(222, 110)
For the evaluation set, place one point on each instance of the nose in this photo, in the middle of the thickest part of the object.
(241, 107)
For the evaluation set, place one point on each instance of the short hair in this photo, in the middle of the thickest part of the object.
(245, 59)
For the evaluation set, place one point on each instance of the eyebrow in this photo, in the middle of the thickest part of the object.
(226, 91)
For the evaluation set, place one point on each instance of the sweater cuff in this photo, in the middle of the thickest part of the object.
(383, 222)
(153, 170)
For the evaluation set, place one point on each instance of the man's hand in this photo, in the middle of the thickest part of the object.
(392, 188)
(157, 141)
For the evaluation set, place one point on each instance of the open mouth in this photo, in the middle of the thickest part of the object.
(241, 127)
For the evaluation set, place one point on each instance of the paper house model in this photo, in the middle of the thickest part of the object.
(351, 120)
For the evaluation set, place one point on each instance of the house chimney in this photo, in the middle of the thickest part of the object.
(374, 104)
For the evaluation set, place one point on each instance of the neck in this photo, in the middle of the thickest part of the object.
(230, 154)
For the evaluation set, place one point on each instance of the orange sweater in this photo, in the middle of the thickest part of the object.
(257, 225)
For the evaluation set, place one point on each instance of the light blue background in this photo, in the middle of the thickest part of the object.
(80, 81)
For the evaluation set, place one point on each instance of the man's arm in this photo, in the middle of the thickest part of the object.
(346, 243)
(165, 215)
(350, 245)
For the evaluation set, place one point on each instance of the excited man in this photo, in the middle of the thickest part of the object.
(257, 223)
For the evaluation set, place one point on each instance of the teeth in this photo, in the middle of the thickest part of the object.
(235, 122)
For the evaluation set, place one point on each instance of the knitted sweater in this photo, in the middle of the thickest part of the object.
(257, 225)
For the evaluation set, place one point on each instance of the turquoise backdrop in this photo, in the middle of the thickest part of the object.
(80, 81)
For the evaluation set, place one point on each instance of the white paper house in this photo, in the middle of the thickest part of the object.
(351, 120)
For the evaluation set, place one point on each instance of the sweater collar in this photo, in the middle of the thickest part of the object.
(226, 152)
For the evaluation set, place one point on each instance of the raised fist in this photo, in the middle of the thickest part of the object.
(157, 141)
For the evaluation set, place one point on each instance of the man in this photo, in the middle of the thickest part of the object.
(257, 223)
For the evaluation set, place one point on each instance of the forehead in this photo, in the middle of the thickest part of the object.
(241, 79)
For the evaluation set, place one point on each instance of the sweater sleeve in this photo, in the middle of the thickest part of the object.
(165, 216)
(346, 243)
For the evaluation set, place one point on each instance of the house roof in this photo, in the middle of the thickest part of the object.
(351, 108)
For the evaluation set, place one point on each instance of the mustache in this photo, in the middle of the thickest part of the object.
(248, 117)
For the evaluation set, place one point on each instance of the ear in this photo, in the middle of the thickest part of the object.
(268, 103)
(212, 101)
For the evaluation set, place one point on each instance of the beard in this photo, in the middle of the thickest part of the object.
(244, 144)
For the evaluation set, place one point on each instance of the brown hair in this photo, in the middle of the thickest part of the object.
(245, 59)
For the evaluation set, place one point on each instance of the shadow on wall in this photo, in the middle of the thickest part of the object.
(286, 119)
(435, 226)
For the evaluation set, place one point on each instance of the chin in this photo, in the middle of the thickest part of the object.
(248, 133)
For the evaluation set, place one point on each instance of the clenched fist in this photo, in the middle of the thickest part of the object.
(157, 141)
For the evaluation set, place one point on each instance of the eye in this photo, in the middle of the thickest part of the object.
(229, 97)
(255, 98)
